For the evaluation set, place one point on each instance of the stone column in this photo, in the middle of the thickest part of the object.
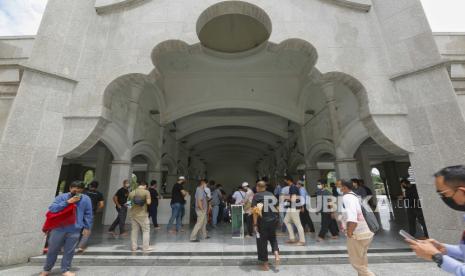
(119, 171)
(155, 175)
(364, 167)
(328, 89)
(394, 189)
(312, 175)
(346, 168)
(29, 163)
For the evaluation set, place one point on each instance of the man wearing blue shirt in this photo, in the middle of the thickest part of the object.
(450, 185)
(68, 237)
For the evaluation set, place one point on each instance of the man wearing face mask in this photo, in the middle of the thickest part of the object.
(450, 185)
(413, 205)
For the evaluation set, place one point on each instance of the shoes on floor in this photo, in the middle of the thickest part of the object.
(194, 240)
(150, 249)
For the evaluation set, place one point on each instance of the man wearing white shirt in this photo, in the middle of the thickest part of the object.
(359, 236)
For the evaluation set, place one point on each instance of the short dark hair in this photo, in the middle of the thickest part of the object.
(153, 182)
(453, 175)
(77, 184)
(143, 183)
(93, 184)
(355, 180)
(348, 184)
(404, 180)
(323, 181)
(289, 178)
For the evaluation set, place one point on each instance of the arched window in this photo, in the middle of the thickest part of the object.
(378, 183)
(133, 182)
(331, 177)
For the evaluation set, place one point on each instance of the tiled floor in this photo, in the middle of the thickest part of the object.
(221, 241)
(402, 269)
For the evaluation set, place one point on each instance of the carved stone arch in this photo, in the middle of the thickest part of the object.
(117, 142)
(352, 136)
(366, 116)
(147, 150)
(317, 149)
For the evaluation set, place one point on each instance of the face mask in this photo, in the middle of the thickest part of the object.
(451, 203)
(339, 191)
(319, 186)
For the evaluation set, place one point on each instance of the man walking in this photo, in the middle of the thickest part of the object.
(201, 211)
(305, 218)
(358, 233)
(140, 199)
(292, 213)
(217, 198)
(120, 199)
(177, 204)
(153, 207)
(96, 198)
(413, 205)
(327, 221)
(67, 237)
(265, 220)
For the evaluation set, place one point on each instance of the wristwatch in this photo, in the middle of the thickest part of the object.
(437, 258)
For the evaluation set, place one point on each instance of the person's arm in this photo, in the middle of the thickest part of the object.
(61, 202)
(184, 193)
(453, 266)
(148, 198)
(115, 200)
(88, 216)
(453, 251)
(351, 213)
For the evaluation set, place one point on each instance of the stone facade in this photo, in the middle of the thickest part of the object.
(305, 84)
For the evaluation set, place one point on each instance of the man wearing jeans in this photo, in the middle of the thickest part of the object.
(201, 208)
(177, 204)
(68, 237)
(216, 201)
(120, 199)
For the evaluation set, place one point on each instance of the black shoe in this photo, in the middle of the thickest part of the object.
(207, 237)
(195, 241)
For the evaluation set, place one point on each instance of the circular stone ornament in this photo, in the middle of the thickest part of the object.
(233, 27)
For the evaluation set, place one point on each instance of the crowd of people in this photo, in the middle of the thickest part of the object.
(267, 212)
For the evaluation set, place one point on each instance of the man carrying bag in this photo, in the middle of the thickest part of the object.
(63, 233)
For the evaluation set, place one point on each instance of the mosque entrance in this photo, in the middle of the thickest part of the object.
(235, 108)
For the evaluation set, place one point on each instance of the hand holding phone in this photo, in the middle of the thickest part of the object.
(406, 235)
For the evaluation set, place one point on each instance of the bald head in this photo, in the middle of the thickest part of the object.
(261, 186)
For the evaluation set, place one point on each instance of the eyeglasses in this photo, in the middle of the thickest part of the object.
(442, 193)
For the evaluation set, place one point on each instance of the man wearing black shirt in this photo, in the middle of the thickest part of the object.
(97, 201)
(177, 204)
(265, 220)
(120, 199)
(154, 206)
(413, 206)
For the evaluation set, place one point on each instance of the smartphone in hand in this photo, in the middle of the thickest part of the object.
(406, 235)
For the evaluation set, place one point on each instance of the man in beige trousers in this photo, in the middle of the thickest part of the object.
(201, 208)
(359, 236)
(140, 199)
(290, 194)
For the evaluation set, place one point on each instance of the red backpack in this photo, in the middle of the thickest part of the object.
(64, 218)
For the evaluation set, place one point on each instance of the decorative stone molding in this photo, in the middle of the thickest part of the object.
(360, 5)
(419, 70)
(104, 6)
(28, 67)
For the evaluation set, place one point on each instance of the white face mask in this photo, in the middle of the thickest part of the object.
(339, 191)
(319, 186)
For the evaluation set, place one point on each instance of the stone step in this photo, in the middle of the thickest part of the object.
(227, 258)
